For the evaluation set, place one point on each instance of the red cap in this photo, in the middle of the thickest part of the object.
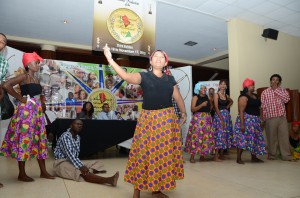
(29, 57)
(248, 82)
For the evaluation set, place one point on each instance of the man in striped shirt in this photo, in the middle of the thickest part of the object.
(67, 164)
(273, 101)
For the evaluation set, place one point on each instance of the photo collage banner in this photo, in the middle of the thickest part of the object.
(68, 85)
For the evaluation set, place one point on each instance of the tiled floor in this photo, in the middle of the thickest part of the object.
(225, 179)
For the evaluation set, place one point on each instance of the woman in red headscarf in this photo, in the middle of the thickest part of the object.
(155, 159)
(248, 130)
(26, 135)
(294, 137)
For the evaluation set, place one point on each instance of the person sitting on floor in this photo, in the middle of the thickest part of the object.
(294, 137)
(67, 164)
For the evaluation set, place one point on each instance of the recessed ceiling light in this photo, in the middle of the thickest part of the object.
(191, 43)
(66, 22)
(214, 49)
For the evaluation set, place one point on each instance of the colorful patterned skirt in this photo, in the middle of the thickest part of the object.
(26, 135)
(296, 153)
(252, 139)
(223, 136)
(200, 137)
(155, 159)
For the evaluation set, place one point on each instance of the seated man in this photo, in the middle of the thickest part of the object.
(106, 114)
(67, 164)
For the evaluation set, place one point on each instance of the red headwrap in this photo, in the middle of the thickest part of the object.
(296, 123)
(165, 55)
(248, 82)
(29, 57)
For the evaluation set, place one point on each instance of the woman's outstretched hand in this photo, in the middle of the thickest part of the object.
(107, 52)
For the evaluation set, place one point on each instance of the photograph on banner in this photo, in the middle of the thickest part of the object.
(128, 27)
(68, 85)
(211, 84)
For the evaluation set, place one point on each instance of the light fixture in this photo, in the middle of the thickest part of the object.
(100, 2)
(191, 43)
(66, 22)
(150, 12)
(214, 49)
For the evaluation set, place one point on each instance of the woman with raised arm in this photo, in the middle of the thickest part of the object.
(155, 160)
(26, 134)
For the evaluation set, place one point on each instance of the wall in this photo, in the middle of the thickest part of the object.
(250, 55)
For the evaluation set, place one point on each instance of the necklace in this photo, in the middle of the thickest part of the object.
(32, 77)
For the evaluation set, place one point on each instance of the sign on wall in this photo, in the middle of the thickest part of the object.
(127, 26)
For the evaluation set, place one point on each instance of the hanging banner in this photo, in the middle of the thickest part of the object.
(128, 27)
(68, 85)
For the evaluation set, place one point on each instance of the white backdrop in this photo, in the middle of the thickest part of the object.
(14, 58)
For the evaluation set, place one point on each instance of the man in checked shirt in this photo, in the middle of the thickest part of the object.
(67, 164)
(273, 101)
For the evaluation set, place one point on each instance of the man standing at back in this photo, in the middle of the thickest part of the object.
(273, 101)
(3, 70)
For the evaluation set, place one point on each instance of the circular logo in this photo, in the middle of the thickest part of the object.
(101, 96)
(125, 26)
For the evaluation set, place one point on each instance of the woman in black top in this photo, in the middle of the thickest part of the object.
(248, 130)
(26, 134)
(87, 111)
(155, 159)
(222, 124)
(200, 139)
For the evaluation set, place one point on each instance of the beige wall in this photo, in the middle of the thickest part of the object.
(250, 55)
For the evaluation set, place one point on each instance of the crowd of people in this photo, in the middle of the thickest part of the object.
(155, 160)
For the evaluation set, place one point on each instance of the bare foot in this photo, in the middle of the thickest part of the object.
(1, 185)
(25, 178)
(202, 159)
(46, 176)
(136, 193)
(256, 160)
(222, 157)
(159, 194)
(240, 162)
(115, 179)
(217, 160)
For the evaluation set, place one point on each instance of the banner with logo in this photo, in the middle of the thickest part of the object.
(68, 85)
(128, 27)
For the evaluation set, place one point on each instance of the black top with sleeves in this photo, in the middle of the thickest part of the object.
(253, 105)
(157, 92)
(200, 101)
(31, 89)
(222, 104)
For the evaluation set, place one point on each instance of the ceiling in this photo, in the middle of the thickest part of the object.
(177, 22)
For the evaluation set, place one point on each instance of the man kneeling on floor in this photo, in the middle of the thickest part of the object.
(67, 164)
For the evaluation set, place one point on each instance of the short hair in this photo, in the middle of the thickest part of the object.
(4, 37)
(105, 104)
(276, 75)
(76, 120)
